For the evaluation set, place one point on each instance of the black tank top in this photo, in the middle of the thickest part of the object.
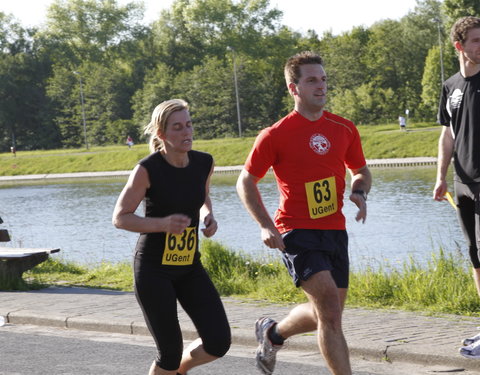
(174, 191)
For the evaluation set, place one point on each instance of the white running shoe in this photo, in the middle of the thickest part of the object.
(471, 340)
(471, 351)
(266, 352)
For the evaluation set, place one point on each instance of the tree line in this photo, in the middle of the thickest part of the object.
(92, 74)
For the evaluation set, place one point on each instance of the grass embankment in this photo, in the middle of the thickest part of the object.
(443, 286)
(379, 141)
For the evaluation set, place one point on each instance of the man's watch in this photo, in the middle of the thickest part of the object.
(360, 192)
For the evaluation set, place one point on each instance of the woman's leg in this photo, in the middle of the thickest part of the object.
(202, 303)
(157, 298)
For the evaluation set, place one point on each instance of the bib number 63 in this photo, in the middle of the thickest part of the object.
(321, 197)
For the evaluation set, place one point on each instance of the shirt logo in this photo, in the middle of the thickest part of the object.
(456, 99)
(320, 144)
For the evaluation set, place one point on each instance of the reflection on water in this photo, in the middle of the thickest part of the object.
(403, 219)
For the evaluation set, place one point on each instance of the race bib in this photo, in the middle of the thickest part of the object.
(180, 248)
(322, 197)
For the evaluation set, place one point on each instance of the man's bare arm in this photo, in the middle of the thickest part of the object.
(250, 196)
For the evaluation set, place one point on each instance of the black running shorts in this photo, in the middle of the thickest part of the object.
(309, 251)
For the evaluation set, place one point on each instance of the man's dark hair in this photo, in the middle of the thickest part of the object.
(461, 28)
(292, 67)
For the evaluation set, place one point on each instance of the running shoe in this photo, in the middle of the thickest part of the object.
(471, 340)
(266, 352)
(471, 351)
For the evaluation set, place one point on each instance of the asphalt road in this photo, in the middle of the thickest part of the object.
(32, 350)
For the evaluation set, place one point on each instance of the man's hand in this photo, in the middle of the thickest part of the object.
(439, 190)
(361, 203)
(273, 239)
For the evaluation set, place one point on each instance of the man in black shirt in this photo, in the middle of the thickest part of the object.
(459, 112)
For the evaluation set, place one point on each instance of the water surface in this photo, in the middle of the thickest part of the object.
(403, 219)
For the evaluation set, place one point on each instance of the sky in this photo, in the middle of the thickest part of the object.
(336, 16)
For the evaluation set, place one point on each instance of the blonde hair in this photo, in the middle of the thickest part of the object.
(158, 123)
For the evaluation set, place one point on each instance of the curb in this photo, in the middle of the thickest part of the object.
(372, 163)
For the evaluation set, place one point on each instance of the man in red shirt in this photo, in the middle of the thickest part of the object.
(309, 151)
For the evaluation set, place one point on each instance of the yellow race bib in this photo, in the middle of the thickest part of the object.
(322, 197)
(180, 248)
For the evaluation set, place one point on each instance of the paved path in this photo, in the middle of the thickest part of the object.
(373, 334)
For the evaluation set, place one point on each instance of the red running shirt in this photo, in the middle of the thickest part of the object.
(309, 160)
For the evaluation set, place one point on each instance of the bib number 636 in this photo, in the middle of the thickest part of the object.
(180, 248)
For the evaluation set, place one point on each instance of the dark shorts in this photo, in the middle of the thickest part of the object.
(468, 203)
(309, 251)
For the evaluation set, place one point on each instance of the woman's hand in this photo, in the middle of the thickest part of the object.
(210, 226)
(176, 223)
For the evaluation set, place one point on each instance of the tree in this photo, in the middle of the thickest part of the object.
(24, 108)
(105, 43)
(127, 69)
(209, 90)
(431, 82)
(193, 30)
(64, 92)
(157, 87)
(454, 9)
(366, 104)
(106, 101)
(90, 30)
(345, 58)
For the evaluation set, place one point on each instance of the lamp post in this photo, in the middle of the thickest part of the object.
(437, 20)
(83, 109)
(236, 91)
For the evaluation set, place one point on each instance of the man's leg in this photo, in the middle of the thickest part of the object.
(326, 302)
(468, 213)
(303, 318)
(476, 277)
(476, 268)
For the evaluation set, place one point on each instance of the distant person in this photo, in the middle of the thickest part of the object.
(13, 149)
(129, 142)
(403, 122)
(459, 113)
(174, 181)
(309, 151)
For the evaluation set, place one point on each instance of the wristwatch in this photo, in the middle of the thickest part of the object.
(360, 192)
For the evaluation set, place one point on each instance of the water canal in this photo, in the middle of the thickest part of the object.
(403, 219)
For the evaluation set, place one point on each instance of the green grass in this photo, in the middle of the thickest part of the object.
(379, 142)
(116, 276)
(387, 141)
(443, 285)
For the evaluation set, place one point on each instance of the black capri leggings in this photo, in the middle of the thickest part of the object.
(157, 290)
(468, 202)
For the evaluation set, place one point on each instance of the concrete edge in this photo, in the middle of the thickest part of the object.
(372, 163)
